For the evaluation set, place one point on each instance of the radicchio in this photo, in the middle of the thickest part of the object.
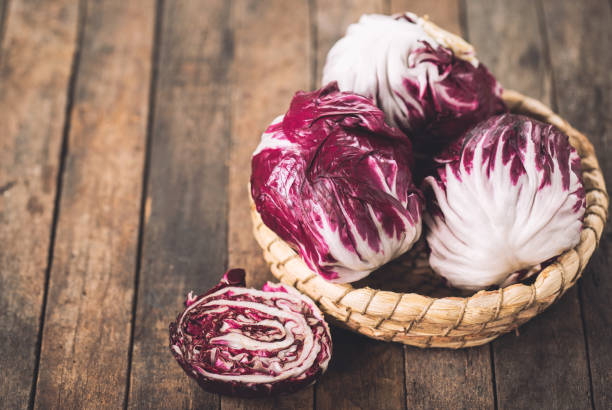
(251, 343)
(505, 199)
(334, 181)
(405, 65)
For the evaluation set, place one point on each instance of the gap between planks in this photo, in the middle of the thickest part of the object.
(74, 69)
(157, 29)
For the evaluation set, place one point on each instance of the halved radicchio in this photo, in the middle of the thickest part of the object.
(334, 181)
(424, 89)
(505, 199)
(245, 342)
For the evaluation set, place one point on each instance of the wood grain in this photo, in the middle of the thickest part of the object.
(271, 62)
(544, 365)
(35, 61)
(508, 38)
(363, 373)
(443, 379)
(185, 232)
(3, 13)
(580, 57)
(87, 323)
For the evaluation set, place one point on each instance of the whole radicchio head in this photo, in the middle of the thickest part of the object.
(250, 343)
(408, 67)
(505, 199)
(334, 181)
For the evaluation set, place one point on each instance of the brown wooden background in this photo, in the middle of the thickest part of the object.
(126, 129)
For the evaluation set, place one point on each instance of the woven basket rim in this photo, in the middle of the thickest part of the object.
(455, 322)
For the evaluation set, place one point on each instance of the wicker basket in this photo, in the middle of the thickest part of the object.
(406, 302)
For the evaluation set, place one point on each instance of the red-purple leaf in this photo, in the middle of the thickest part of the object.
(334, 181)
(244, 342)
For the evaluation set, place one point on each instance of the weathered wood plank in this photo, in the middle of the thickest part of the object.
(89, 309)
(545, 366)
(444, 378)
(580, 38)
(35, 62)
(271, 62)
(3, 14)
(185, 233)
(508, 38)
(363, 373)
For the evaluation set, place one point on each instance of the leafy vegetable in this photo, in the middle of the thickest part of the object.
(420, 84)
(505, 199)
(245, 342)
(334, 181)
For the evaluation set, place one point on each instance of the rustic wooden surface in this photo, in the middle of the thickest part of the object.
(90, 288)
(30, 161)
(127, 128)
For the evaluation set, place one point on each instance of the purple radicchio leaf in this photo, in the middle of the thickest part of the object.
(334, 181)
(245, 342)
(421, 85)
(505, 198)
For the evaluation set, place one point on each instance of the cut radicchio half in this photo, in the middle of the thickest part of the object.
(505, 199)
(251, 343)
(334, 181)
(424, 89)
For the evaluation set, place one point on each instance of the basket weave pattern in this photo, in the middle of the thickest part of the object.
(420, 318)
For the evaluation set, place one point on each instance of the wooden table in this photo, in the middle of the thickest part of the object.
(126, 131)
